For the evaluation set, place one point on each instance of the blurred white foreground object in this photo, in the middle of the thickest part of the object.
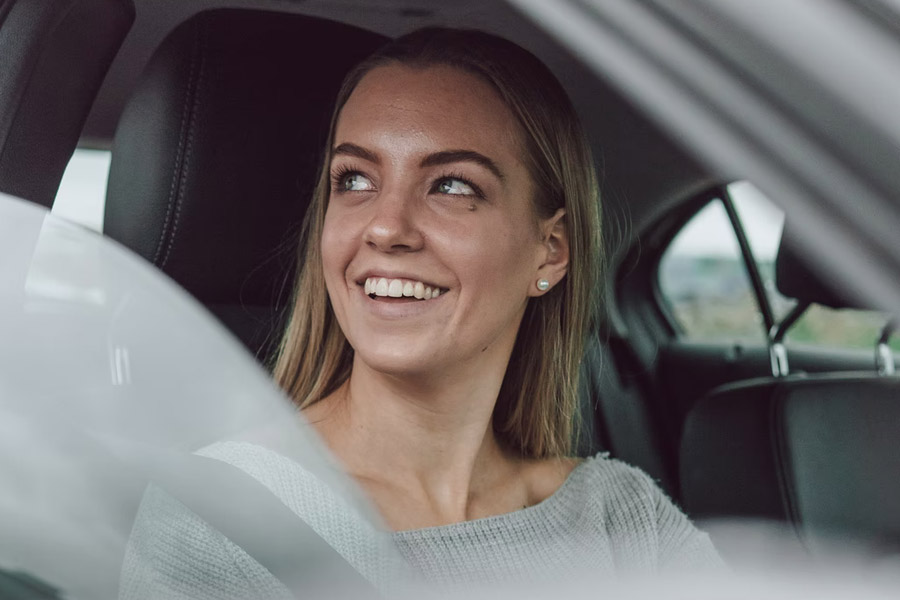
(111, 377)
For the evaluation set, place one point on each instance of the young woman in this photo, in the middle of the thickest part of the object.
(450, 273)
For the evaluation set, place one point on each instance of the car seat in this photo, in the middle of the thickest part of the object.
(216, 154)
(53, 56)
(816, 451)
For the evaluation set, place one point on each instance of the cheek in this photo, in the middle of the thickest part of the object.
(336, 247)
(499, 257)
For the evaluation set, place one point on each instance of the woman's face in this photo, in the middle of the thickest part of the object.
(429, 194)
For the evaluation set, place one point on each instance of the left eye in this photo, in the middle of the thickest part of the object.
(457, 187)
(355, 182)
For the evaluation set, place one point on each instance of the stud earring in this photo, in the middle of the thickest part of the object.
(543, 285)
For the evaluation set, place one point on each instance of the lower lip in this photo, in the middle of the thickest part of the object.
(399, 307)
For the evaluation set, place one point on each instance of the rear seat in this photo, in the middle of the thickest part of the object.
(816, 451)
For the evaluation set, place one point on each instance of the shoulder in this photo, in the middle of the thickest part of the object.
(640, 519)
(316, 491)
(617, 484)
(545, 477)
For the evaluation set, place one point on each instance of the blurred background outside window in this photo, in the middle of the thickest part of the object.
(704, 282)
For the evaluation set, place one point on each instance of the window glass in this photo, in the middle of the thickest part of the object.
(82, 191)
(704, 282)
(763, 223)
(703, 279)
(839, 328)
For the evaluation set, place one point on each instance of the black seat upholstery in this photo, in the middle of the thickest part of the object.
(216, 155)
(53, 57)
(820, 452)
(613, 413)
(817, 451)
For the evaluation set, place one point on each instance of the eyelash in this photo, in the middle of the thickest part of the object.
(341, 172)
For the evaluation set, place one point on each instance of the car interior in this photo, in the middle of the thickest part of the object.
(215, 113)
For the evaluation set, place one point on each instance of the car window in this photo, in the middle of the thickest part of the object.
(82, 191)
(704, 282)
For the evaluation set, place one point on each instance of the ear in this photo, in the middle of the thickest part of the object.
(554, 254)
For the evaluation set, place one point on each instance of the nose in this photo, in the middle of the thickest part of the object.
(393, 226)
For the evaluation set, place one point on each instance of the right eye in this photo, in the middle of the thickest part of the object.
(353, 182)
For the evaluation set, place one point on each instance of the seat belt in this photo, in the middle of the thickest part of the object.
(247, 513)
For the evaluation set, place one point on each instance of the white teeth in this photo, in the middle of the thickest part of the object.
(381, 288)
(396, 288)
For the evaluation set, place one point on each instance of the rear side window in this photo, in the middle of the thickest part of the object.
(703, 280)
(82, 192)
(706, 287)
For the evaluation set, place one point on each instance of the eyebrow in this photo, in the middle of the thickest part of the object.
(349, 149)
(432, 160)
(452, 156)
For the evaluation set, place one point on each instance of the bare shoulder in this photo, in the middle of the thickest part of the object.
(545, 476)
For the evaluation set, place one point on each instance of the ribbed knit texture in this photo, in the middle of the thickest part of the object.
(607, 519)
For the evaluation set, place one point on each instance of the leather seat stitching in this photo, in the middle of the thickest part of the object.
(783, 466)
(192, 127)
(183, 153)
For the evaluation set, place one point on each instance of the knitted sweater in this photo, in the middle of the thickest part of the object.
(607, 518)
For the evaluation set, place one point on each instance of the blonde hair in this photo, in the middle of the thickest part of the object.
(535, 410)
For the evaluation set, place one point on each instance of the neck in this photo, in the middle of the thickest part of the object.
(429, 438)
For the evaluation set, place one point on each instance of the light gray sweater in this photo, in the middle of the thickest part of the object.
(606, 519)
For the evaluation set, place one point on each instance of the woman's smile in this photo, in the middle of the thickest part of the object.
(390, 287)
(400, 298)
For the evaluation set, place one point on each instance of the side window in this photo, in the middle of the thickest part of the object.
(82, 191)
(704, 281)
(762, 223)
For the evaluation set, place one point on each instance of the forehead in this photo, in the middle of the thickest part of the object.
(442, 105)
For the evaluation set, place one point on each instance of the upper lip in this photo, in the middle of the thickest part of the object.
(388, 274)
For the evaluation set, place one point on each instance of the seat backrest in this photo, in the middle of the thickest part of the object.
(819, 452)
(53, 57)
(216, 155)
(614, 413)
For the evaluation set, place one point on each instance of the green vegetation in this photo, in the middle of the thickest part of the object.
(711, 298)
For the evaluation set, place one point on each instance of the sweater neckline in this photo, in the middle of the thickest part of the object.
(522, 515)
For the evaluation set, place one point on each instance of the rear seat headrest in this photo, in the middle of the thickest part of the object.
(216, 154)
(795, 279)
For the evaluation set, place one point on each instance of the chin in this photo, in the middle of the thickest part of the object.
(401, 361)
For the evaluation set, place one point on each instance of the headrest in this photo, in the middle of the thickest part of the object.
(215, 156)
(795, 279)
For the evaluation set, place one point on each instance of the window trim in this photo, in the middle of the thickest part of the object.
(756, 281)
